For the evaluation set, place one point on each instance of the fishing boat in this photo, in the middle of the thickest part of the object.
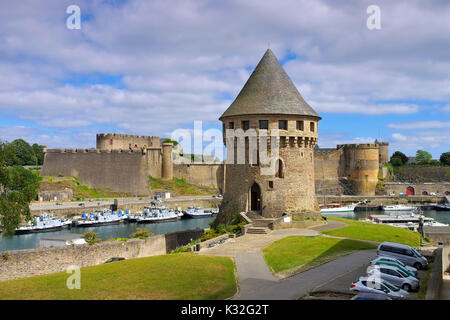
(100, 218)
(157, 215)
(398, 207)
(197, 212)
(442, 207)
(44, 223)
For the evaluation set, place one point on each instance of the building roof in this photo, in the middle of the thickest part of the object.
(269, 90)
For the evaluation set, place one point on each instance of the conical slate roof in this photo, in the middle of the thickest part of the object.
(269, 90)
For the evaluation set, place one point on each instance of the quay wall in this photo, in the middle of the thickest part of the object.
(33, 262)
(442, 188)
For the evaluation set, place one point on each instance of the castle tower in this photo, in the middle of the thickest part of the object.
(270, 105)
(167, 163)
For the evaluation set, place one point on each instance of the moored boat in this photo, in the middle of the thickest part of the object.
(157, 215)
(44, 223)
(398, 207)
(100, 218)
(197, 212)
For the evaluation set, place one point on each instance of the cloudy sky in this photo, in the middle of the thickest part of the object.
(153, 66)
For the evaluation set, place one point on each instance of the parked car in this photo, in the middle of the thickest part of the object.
(371, 296)
(395, 276)
(406, 254)
(394, 262)
(114, 259)
(377, 285)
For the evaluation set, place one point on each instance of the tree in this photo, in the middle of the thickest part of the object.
(423, 157)
(7, 154)
(396, 161)
(24, 153)
(445, 159)
(39, 153)
(18, 187)
(400, 155)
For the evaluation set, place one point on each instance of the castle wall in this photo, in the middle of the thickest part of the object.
(328, 169)
(118, 170)
(116, 141)
(202, 174)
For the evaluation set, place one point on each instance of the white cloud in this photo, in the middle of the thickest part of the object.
(420, 125)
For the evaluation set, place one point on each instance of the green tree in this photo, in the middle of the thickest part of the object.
(400, 155)
(18, 187)
(91, 237)
(396, 161)
(423, 157)
(445, 159)
(24, 153)
(7, 154)
(39, 153)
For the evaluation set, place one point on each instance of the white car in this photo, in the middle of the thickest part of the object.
(376, 285)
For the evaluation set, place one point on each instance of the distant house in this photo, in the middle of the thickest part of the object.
(411, 160)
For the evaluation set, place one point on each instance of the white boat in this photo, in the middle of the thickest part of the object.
(348, 208)
(157, 215)
(197, 212)
(44, 223)
(100, 218)
(399, 207)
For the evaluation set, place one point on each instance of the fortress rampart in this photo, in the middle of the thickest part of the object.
(116, 141)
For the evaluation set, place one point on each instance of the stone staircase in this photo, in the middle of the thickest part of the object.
(256, 223)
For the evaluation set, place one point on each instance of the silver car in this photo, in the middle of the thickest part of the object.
(394, 275)
(394, 261)
(404, 253)
(376, 285)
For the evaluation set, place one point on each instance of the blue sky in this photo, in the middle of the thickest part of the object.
(147, 67)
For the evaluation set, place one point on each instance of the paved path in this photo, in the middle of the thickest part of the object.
(255, 279)
(300, 284)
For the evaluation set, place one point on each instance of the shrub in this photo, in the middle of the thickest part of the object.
(91, 237)
(141, 233)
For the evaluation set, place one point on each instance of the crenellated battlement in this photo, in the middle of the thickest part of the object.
(358, 146)
(124, 136)
(93, 150)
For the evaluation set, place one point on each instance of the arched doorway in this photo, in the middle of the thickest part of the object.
(255, 197)
(410, 191)
(424, 192)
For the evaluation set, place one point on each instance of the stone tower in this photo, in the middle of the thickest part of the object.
(269, 105)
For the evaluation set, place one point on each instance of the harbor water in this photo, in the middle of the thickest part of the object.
(122, 230)
(439, 216)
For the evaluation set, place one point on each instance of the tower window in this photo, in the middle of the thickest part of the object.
(270, 184)
(311, 126)
(300, 125)
(231, 125)
(264, 124)
(245, 125)
(279, 169)
(282, 124)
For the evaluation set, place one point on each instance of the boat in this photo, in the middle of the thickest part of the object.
(44, 223)
(442, 207)
(398, 207)
(338, 209)
(396, 219)
(197, 212)
(100, 218)
(157, 215)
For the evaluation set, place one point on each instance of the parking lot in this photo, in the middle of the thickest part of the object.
(339, 287)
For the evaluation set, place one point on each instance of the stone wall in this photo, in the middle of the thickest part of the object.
(117, 141)
(328, 170)
(60, 195)
(211, 175)
(422, 174)
(419, 188)
(27, 263)
(118, 170)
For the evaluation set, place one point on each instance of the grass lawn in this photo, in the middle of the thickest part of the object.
(167, 277)
(180, 187)
(298, 253)
(375, 232)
